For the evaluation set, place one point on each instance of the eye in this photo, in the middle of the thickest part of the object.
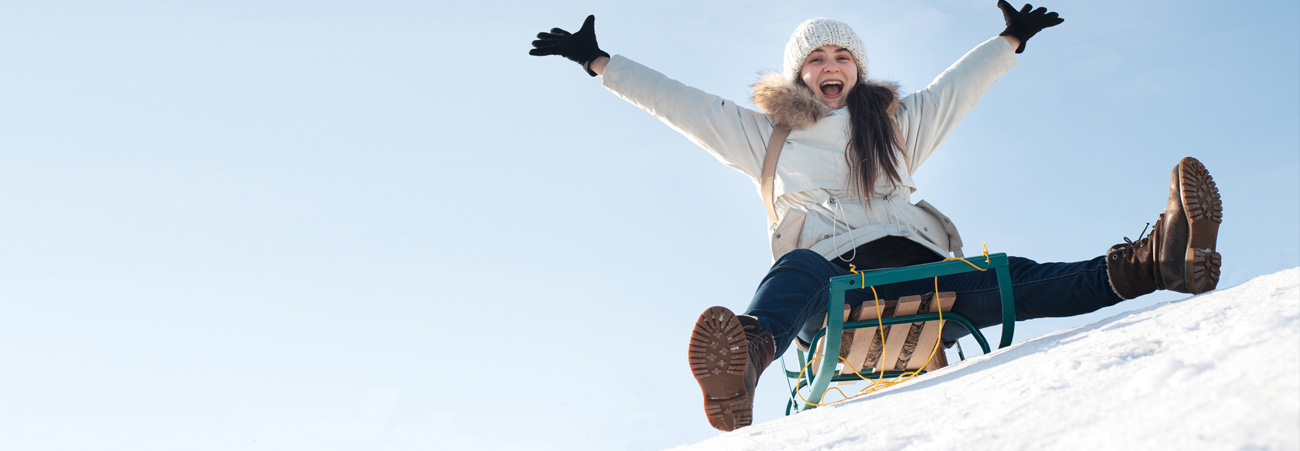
(844, 58)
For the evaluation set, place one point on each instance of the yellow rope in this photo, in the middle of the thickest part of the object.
(880, 326)
(880, 383)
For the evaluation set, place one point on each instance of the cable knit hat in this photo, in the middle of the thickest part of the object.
(815, 33)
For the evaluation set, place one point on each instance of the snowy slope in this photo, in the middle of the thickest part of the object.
(1215, 371)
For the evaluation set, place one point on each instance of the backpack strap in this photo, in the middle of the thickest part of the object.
(902, 146)
(774, 145)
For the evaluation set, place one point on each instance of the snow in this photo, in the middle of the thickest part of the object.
(1216, 371)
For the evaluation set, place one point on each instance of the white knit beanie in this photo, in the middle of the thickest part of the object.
(815, 33)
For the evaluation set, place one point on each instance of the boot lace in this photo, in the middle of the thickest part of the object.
(1130, 245)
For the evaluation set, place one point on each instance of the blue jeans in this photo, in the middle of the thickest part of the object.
(791, 300)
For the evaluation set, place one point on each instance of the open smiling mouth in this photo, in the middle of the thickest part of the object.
(832, 88)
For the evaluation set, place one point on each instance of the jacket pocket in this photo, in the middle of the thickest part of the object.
(785, 236)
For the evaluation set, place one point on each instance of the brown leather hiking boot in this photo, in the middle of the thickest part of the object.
(727, 354)
(1179, 255)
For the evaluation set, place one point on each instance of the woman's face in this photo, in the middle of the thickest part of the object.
(831, 72)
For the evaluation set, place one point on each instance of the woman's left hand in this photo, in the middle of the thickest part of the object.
(578, 47)
(1026, 22)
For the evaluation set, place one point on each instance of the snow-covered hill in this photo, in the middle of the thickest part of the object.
(1215, 371)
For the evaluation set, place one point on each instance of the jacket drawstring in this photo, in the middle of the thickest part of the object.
(892, 208)
(836, 214)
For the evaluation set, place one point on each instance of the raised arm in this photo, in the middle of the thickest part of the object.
(733, 134)
(930, 114)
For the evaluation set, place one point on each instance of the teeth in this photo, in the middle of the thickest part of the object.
(832, 82)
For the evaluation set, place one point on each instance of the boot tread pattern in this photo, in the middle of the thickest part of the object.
(1204, 209)
(718, 355)
(1200, 194)
(731, 414)
(718, 344)
(1205, 270)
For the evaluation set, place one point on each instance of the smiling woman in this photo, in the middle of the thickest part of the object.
(841, 196)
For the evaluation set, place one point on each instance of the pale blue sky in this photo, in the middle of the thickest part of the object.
(382, 225)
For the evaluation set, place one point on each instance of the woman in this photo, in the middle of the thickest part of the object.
(842, 196)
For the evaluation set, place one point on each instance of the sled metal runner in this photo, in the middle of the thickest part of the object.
(835, 324)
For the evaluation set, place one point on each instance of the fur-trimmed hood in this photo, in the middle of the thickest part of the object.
(794, 106)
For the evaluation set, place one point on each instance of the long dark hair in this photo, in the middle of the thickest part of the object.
(872, 137)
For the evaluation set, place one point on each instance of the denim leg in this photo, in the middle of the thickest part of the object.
(1041, 290)
(793, 292)
(791, 300)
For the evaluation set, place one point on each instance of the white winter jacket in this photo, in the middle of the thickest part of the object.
(815, 208)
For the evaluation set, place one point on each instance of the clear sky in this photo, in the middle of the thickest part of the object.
(287, 224)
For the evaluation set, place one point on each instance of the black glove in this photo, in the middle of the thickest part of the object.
(1024, 24)
(580, 47)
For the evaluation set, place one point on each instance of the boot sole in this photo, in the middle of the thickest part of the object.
(718, 355)
(1204, 211)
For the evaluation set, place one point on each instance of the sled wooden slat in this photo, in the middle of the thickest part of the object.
(821, 347)
(907, 306)
(862, 340)
(930, 331)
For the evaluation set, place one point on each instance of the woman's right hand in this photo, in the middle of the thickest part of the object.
(578, 47)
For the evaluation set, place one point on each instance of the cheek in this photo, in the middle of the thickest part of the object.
(808, 79)
(852, 71)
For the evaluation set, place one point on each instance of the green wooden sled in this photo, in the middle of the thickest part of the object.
(835, 325)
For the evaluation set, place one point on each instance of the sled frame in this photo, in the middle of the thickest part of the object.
(835, 324)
